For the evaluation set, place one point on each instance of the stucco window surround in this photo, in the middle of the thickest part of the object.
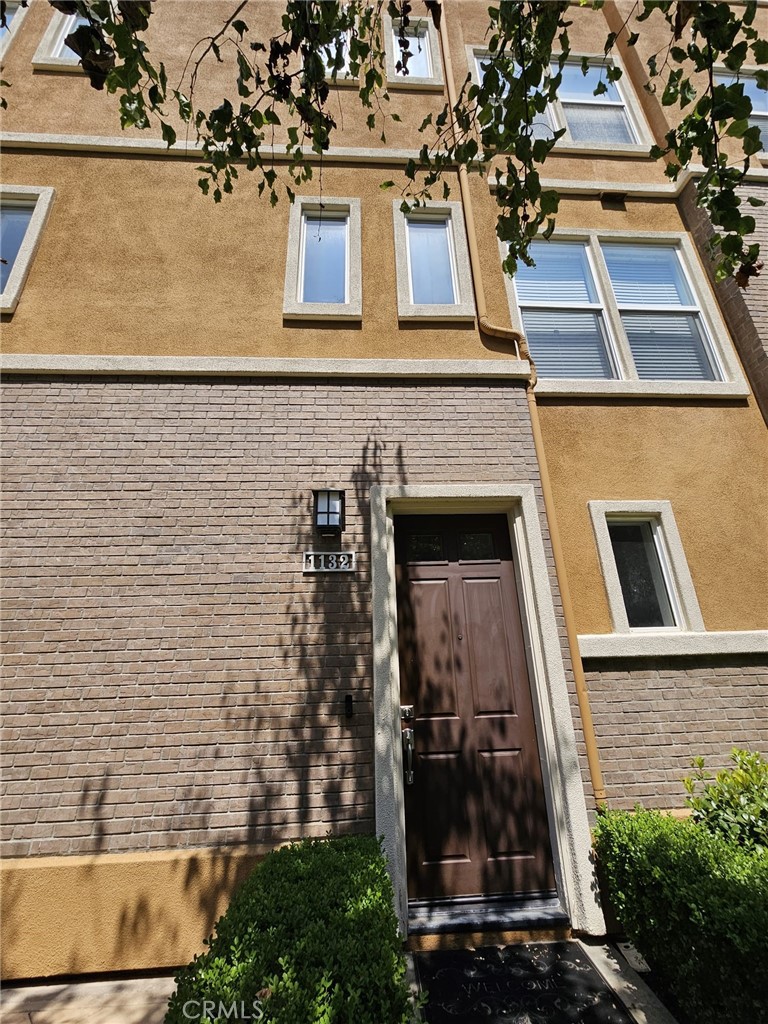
(728, 379)
(39, 200)
(15, 15)
(566, 807)
(423, 27)
(335, 207)
(685, 614)
(463, 306)
(52, 54)
(556, 113)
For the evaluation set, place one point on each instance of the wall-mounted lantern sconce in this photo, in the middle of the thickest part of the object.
(329, 513)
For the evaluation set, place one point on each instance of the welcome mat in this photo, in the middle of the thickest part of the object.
(537, 983)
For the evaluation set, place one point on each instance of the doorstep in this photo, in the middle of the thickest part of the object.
(564, 982)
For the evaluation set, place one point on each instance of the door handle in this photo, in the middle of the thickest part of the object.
(408, 748)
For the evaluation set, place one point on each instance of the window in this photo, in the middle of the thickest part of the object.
(594, 122)
(562, 312)
(611, 309)
(588, 118)
(424, 68)
(646, 575)
(542, 123)
(340, 52)
(431, 264)
(14, 15)
(323, 276)
(23, 213)
(53, 54)
(638, 564)
(759, 97)
(433, 274)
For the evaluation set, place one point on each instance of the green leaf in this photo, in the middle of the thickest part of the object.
(169, 135)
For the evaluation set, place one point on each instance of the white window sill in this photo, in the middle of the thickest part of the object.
(657, 644)
(643, 388)
(344, 80)
(632, 149)
(421, 84)
(323, 311)
(438, 314)
(58, 64)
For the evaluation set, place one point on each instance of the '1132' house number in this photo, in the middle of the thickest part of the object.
(329, 561)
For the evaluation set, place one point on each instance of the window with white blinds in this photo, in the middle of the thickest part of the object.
(660, 318)
(759, 98)
(591, 118)
(562, 312)
(608, 119)
(645, 317)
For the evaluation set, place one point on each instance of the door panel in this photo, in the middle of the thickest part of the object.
(489, 662)
(476, 819)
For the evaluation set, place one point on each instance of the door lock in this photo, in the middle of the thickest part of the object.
(406, 712)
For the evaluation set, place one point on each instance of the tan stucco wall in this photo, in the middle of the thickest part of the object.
(143, 263)
(709, 460)
(114, 912)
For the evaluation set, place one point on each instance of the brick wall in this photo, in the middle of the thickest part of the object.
(653, 715)
(745, 310)
(171, 678)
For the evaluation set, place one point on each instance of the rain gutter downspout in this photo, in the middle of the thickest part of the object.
(521, 347)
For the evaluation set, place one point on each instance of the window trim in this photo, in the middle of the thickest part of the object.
(42, 197)
(565, 144)
(464, 307)
(672, 560)
(293, 308)
(719, 347)
(45, 58)
(18, 16)
(394, 81)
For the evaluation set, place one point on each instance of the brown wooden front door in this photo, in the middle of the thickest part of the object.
(476, 821)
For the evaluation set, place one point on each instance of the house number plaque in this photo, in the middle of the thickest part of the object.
(329, 561)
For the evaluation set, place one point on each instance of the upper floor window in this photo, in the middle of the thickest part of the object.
(590, 118)
(542, 125)
(53, 53)
(433, 275)
(324, 257)
(608, 119)
(614, 309)
(423, 69)
(336, 58)
(23, 213)
(323, 274)
(759, 97)
(431, 260)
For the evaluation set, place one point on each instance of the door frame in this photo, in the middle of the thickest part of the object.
(564, 792)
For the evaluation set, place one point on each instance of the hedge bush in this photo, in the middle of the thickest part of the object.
(696, 906)
(735, 801)
(309, 938)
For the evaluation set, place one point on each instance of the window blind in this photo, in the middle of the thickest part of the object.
(646, 275)
(566, 344)
(667, 346)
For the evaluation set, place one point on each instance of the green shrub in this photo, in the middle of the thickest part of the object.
(696, 906)
(310, 938)
(735, 802)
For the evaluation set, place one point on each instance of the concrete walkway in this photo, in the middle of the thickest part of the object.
(134, 1001)
(144, 1000)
